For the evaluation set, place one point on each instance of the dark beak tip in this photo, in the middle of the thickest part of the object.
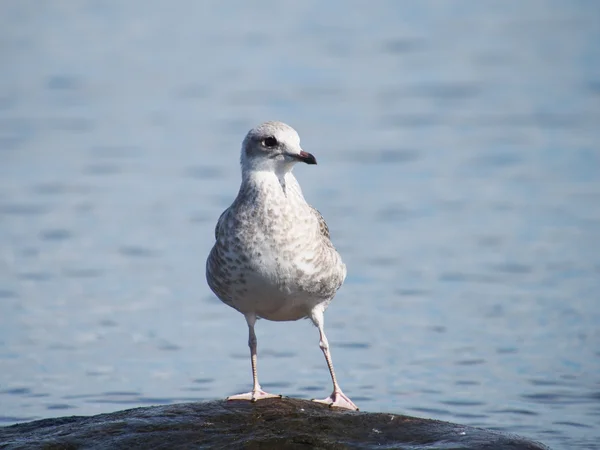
(308, 158)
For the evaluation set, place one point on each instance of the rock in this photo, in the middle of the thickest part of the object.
(267, 424)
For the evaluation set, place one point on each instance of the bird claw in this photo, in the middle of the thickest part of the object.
(339, 400)
(254, 396)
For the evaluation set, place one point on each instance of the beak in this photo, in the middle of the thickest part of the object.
(306, 157)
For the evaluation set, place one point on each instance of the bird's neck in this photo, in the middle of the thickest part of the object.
(271, 183)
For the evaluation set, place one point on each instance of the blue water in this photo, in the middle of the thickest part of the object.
(459, 171)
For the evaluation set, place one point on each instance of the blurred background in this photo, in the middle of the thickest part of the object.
(459, 172)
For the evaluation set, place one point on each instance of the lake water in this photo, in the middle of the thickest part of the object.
(459, 171)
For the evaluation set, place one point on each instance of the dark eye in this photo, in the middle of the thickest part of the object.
(270, 142)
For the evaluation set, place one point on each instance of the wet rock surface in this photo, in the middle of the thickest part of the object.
(273, 423)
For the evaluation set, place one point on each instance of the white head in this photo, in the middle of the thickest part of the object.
(273, 147)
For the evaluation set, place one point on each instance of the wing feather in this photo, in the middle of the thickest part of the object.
(322, 224)
(219, 224)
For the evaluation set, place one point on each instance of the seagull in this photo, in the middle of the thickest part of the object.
(273, 257)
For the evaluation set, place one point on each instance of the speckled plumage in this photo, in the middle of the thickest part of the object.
(273, 257)
(272, 253)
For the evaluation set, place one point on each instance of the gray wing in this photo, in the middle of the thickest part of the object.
(322, 224)
(219, 224)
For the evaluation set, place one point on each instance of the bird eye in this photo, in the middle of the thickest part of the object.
(269, 142)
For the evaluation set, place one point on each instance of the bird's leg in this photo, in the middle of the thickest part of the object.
(256, 393)
(337, 397)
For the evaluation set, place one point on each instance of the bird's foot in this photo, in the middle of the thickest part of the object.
(254, 395)
(339, 400)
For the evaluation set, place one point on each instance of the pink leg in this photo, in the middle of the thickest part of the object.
(256, 393)
(337, 397)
